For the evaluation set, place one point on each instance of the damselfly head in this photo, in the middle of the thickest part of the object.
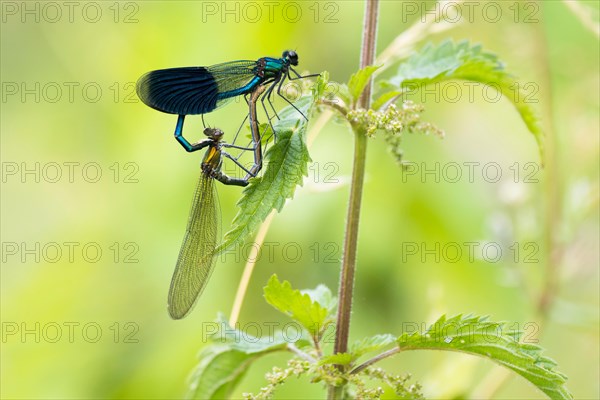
(290, 56)
(213, 133)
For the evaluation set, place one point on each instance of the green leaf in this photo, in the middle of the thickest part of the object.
(478, 336)
(299, 306)
(286, 166)
(220, 370)
(450, 61)
(338, 358)
(384, 98)
(343, 93)
(359, 80)
(322, 295)
(358, 349)
(320, 86)
(246, 343)
(370, 344)
(225, 361)
(266, 133)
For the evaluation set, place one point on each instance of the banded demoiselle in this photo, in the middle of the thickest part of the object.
(197, 255)
(200, 90)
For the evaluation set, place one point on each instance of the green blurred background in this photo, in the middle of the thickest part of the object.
(86, 326)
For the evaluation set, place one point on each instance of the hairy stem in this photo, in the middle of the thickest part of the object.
(358, 174)
(375, 359)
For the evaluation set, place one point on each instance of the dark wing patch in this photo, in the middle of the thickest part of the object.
(192, 90)
(189, 90)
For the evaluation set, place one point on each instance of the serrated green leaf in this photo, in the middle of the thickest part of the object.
(359, 80)
(244, 342)
(223, 364)
(299, 306)
(438, 62)
(358, 349)
(478, 336)
(220, 370)
(286, 166)
(371, 343)
(320, 86)
(322, 295)
(461, 61)
(332, 92)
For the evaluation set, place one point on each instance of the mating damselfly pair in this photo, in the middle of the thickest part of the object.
(200, 90)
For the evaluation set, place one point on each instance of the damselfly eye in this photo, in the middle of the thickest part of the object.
(292, 56)
(213, 133)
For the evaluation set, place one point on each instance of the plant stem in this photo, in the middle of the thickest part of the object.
(249, 268)
(292, 347)
(358, 174)
(260, 237)
(375, 359)
(555, 178)
(350, 244)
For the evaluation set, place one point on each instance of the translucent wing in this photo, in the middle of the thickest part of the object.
(196, 257)
(233, 75)
(193, 90)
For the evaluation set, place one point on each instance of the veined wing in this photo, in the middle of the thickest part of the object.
(196, 257)
(233, 75)
(193, 90)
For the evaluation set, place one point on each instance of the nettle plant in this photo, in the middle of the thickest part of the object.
(351, 369)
